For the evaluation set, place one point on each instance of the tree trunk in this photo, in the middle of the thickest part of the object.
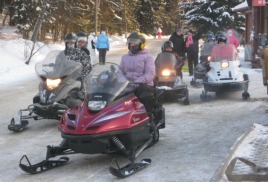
(4, 20)
(1, 6)
(37, 28)
(11, 15)
(39, 21)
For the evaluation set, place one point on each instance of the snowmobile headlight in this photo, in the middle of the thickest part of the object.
(166, 72)
(224, 64)
(53, 83)
(96, 105)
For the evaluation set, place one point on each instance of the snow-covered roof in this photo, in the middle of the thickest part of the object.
(241, 7)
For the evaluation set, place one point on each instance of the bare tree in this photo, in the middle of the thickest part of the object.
(36, 29)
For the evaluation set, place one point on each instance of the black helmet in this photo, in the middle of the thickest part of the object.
(166, 45)
(210, 37)
(209, 33)
(219, 33)
(138, 39)
(221, 38)
(70, 37)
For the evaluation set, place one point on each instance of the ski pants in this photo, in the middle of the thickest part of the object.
(102, 56)
(146, 95)
(192, 62)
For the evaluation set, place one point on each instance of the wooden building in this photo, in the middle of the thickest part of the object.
(256, 28)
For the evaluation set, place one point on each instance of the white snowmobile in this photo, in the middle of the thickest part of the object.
(225, 73)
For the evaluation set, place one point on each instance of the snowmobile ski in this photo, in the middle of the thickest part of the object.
(129, 169)
(42, 166)
(17, 127)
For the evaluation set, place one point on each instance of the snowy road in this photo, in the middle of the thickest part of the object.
(194, 143)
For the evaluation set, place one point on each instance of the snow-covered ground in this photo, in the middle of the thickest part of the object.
(13, 56)
(193, 145)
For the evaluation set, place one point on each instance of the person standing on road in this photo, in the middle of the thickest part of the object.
(92, 46)
(103, 45)
(192, 49)
(159, 33)
(178, 43)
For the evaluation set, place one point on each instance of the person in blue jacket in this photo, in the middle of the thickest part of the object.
(102, 45)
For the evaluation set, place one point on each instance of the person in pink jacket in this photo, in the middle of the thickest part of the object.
(138, 66)
(232, 39)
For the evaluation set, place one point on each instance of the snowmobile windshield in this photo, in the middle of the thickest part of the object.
(56, 65)
(221, 52)
(165, 60)
(206, 49)
(104, 82)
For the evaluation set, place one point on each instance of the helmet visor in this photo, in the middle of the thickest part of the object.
(133, 41)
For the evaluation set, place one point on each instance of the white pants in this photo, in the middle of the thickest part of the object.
(92, 56)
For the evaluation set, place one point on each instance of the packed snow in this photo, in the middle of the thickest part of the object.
(193, 155)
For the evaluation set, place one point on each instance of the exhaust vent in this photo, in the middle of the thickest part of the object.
(92, 128)
(71, 117)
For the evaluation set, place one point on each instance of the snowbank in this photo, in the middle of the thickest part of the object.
(14, 52)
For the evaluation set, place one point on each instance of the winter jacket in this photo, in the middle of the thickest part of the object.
(138, 68)
(232, 38)
(103, 42)
(91, 41)
(86, 51)
(178, 43)
(193, 48)
(79, 55)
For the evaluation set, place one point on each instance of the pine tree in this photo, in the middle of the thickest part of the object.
(213, 15)
(146, 14)
(27, 15)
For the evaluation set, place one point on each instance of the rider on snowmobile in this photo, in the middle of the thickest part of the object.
(206, 48)
(138, 66)
(82, 42)
(223, 49)
(76, 54)
(169, 48)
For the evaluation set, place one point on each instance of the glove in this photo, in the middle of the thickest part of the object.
(107, 49)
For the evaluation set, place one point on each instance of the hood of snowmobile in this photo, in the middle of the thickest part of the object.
(230, 73)
(119, 116)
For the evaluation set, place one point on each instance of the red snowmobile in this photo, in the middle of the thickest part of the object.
(110, 121)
